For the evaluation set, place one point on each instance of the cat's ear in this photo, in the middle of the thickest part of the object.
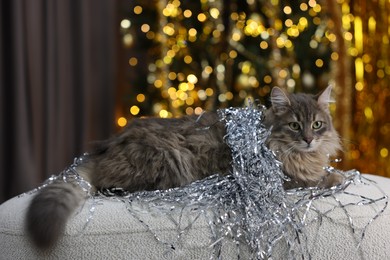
(279, 100)
(325, 98)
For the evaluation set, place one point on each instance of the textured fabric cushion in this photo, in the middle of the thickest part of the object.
(114, 233)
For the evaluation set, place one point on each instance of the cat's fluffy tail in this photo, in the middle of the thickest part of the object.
(50, 210)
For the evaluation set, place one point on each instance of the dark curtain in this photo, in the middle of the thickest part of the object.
(58, 78)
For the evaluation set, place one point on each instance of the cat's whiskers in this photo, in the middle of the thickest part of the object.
(348, 141)
(290, 148)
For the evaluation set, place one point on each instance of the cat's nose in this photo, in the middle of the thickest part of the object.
(308, 139)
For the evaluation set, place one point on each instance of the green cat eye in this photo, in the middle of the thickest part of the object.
(316, 125)
(294, 126)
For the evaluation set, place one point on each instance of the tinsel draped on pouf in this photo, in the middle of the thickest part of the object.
(246, 215)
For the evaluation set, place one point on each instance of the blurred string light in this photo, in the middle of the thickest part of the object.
(366, 33)
(208, 54)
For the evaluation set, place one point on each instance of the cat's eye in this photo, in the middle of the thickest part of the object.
(316, 125)
(294, 126)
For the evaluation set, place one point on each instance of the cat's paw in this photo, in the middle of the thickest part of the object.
(332, 179)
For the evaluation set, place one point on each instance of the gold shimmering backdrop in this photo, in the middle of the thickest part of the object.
(183, 57)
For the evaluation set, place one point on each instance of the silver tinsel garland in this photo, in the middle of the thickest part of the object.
(250, 206)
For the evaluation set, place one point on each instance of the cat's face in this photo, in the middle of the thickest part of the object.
(302, 127)
(301, 123)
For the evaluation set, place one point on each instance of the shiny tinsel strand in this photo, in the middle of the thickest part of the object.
(249, 206)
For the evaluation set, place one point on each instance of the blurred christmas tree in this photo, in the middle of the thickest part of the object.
(186, 56)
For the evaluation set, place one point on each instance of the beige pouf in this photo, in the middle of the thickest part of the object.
(105, 229)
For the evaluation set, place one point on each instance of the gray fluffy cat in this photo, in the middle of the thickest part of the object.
(163, 153)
